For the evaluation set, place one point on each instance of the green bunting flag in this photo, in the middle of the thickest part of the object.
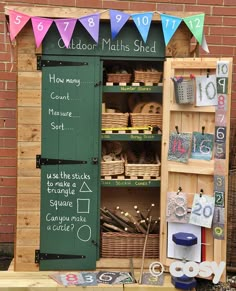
(195, 24)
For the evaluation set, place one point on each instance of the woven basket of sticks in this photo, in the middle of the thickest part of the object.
(128, 245)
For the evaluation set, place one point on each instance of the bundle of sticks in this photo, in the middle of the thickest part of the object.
(119, 220)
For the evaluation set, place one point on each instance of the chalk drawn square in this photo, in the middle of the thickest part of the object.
(83, 205)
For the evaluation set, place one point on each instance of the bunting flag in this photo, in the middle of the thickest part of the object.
(204, 44)
(91, 24)
(195, 24)
(169, 26)
(143, 23)
(17, 22)
(66, 28)
(118, 20)
(40, 28)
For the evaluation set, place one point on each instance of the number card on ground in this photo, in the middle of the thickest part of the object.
(202, 210)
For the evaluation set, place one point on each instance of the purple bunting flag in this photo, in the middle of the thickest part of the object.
(40, 28)
(143, 23)
(91, 24)
(66, 28)
(118, 20)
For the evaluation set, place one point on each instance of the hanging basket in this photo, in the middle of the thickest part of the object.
(184, 91)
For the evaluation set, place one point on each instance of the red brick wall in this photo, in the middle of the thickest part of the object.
(220, 27)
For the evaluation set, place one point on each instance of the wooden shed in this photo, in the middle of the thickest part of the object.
(51, 106)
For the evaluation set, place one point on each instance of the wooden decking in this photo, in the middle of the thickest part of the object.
(40, 281)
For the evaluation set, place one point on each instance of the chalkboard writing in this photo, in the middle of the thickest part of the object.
(57, 97)
(63, 190)
(127, 43)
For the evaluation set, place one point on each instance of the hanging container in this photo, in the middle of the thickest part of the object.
(184, 90)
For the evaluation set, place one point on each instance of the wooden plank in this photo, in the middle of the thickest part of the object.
(27, 62)
(29, 132)
(29, 98)
(27, 168)
(24, 259)
(28, 185)
(29, 115)
(41, 281)
(29, 80)
(28, 219)
(68, 12)
(108, 263)
(23, 235)
(24, 202)
(28, 150)
(193, 166)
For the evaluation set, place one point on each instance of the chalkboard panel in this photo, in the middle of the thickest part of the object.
(70, 191)
(128, 43)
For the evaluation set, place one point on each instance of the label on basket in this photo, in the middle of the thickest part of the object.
(206, 91)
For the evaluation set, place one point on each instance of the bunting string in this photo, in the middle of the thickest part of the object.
(118, 19)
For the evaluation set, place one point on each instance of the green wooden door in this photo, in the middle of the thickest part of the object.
(70, 180)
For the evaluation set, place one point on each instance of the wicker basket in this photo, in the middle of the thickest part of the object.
(146, 119)
(119, 78)
(184, 91)
(110, 120)
(112, 168)
(142, 170)
(147, 77)
(128, 245)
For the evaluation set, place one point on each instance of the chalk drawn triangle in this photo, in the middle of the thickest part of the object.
(85, 188)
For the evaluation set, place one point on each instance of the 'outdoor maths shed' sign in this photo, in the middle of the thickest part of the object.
(128, 43)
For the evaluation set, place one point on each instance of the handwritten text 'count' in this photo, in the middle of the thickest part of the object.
(58, 80)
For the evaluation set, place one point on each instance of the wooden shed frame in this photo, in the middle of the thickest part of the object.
(29, 141)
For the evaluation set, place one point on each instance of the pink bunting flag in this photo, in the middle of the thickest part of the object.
(91, 24)
(66, 28)
(40, 28)
(17, 22)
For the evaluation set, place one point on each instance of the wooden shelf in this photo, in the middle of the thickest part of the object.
(132, 89)
(130, 183)
(131, 137)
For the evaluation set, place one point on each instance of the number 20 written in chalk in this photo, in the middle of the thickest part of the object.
(205, 210)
